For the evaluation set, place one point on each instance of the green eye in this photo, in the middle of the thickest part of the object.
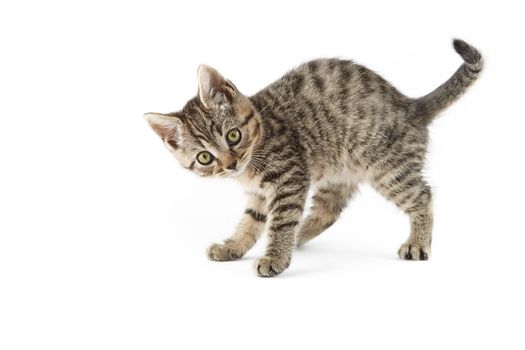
(205, 158)
(233, 137)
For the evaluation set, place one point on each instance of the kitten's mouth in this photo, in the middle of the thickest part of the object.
(239, 170)
(243, 164)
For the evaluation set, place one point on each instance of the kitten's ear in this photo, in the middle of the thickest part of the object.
(165, 125)
(213, 87)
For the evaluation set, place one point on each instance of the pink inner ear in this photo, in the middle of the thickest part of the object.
(165, 125)
(162, 130)
(216, 81)
(212, 83)
(221, 85)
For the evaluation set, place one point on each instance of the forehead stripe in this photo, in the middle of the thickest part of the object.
(196, 132)
(217, 128)
(195, 136)
(248, 118)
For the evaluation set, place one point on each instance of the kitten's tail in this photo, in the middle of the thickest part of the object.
(429, 106)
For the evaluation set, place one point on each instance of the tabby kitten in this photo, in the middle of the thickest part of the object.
(328, 123)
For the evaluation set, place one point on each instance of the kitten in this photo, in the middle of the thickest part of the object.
(328, 123)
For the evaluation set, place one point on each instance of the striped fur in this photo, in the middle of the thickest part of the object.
(329, 124)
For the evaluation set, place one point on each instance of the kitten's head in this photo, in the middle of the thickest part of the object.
(216, 131)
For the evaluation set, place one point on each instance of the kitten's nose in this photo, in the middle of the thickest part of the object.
(232, 165)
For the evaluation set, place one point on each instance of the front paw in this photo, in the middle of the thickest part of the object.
(225, 252)
(269, 266)
(414, 251)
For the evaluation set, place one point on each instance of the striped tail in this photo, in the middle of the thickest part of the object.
(429, 106)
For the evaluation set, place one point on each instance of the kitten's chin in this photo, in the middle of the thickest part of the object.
(231, 173)
(238, 171)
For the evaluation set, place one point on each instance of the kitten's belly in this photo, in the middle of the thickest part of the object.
(321, 176)
(349, 174)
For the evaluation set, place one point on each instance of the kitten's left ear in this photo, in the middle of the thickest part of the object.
(213, 87)
(165, 125)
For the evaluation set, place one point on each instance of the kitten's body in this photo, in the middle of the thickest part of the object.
(329, 124)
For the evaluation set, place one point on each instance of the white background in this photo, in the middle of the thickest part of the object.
(102, 234)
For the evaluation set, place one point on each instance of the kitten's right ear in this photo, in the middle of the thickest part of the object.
(213, 87)
(165, 125)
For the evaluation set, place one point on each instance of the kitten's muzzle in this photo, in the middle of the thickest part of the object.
(232, 166)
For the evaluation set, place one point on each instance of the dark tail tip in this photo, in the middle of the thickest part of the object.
(469, 53)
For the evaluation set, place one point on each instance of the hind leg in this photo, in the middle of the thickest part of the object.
(410, 193)
(419, 209)
(328, 203)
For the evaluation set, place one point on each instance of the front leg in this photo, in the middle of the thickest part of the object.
(246, 234)
(285, 212)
